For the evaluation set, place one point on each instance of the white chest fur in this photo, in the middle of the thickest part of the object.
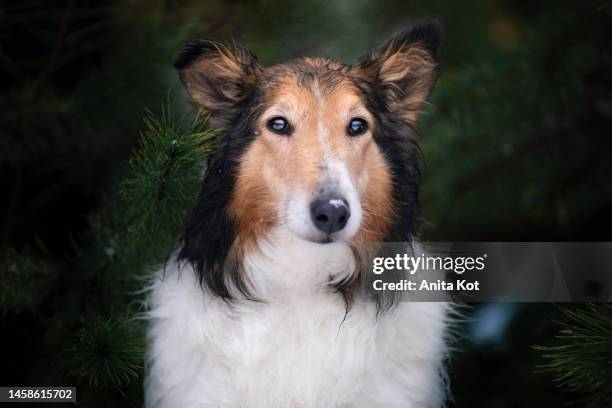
(296, 349)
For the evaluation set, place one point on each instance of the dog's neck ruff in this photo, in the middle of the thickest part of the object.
(284, 266)
(298, 347)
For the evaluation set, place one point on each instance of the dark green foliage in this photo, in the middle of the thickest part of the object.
(25, 279)
(164, 172)
(75, 78)
(135, 233)
(582, 361)
(106, 353)
(94, 331)
(141, 223)
(517, 136)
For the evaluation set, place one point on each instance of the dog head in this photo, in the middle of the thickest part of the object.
(323, 149)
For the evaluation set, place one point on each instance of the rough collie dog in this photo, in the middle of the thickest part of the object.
(261, 306)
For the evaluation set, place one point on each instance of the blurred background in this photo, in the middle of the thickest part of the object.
(516, 145)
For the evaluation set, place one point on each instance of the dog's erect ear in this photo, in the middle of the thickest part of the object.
(217, 77)
(405, 68)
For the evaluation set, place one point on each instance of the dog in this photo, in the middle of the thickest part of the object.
(261, 304)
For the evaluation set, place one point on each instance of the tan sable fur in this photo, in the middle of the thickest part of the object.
(274, 165)
(416, 63)
(409, 71)
(225, 74)
(318, 97)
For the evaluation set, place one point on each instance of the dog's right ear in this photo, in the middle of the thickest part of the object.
(405, 68)
(217, 77)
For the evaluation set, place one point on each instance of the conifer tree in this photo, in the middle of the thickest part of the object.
(581, 361)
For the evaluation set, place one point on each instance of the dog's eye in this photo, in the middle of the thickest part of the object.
(279, 125)
(357, 127)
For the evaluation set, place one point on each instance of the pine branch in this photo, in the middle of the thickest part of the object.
(109, 353)
(132, 235)
(140, 226)
(166, 169)
(582, 362)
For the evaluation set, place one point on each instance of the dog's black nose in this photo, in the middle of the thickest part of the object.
(330, 214)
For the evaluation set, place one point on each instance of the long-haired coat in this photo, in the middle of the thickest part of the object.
(261, 306)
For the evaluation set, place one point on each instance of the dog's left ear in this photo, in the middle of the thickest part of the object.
(405, 68)
(217, 77)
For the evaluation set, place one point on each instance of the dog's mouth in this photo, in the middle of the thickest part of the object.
(325, 240)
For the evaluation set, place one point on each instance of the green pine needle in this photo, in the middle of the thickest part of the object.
(583, 363)
(166, 169)
(109, 353)
(140, 226)
(132, 236)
